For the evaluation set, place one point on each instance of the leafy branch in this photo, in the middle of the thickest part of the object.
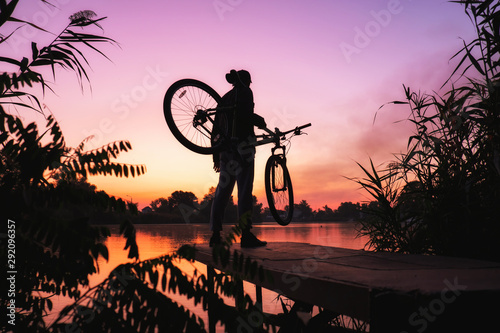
(135, 298)
(62, 52)
(58, 248)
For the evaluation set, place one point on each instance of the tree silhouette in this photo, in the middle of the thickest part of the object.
(179, 198)
(57, 250)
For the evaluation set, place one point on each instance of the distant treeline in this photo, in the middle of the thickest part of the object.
(184, 207)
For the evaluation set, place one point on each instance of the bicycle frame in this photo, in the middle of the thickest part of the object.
(275, 137)
(201, 118)
(193, 123)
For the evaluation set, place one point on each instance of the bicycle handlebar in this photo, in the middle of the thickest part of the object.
(298, 128)
(277, 132)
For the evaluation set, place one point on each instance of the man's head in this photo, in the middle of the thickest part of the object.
(241, 76)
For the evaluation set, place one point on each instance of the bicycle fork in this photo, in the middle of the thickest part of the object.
(278, 178)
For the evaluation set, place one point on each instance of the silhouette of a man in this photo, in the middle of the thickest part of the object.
(235, 120)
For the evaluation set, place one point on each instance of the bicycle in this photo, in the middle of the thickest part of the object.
(189, 107)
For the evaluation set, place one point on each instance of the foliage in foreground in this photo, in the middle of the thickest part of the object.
(46, 199)
(134, 297)
(56, 249)
(443, 195)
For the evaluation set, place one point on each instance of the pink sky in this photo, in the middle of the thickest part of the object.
(331, 63)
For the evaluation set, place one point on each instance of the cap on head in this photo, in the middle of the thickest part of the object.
(242, 75)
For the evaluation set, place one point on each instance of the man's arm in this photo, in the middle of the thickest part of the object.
(259, 121)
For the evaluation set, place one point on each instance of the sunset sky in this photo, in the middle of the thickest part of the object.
(332, 63)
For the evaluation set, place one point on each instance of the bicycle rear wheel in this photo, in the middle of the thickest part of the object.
(184, 109)
(279, 190)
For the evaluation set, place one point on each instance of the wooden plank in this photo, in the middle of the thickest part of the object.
(361, 283)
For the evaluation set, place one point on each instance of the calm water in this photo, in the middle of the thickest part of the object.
(156, 240)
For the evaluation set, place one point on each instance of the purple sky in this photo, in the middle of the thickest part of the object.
(331, 63)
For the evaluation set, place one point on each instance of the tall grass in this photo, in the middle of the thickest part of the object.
(442, 196)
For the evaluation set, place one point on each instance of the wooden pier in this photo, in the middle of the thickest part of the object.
(392, 292)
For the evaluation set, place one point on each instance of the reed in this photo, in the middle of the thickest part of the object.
(442, 196)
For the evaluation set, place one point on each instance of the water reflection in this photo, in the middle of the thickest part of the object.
(326, 234)
(158, 240)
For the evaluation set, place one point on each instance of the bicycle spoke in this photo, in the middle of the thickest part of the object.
(280, 195)
(279, 189)
(184, 106)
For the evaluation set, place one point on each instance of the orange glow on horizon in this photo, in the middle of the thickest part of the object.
(301, 73)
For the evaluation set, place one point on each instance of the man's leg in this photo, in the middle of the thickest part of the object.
(245, 201)
(244, 181)
(221, 198)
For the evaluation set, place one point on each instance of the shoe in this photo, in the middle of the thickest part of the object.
(249, 240)
(215, 239)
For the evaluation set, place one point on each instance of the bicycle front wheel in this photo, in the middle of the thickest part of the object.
(279, 190)
(184, 108)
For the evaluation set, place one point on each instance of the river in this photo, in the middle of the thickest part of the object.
(158, 239)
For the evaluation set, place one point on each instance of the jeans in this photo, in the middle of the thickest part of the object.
(234, 168)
